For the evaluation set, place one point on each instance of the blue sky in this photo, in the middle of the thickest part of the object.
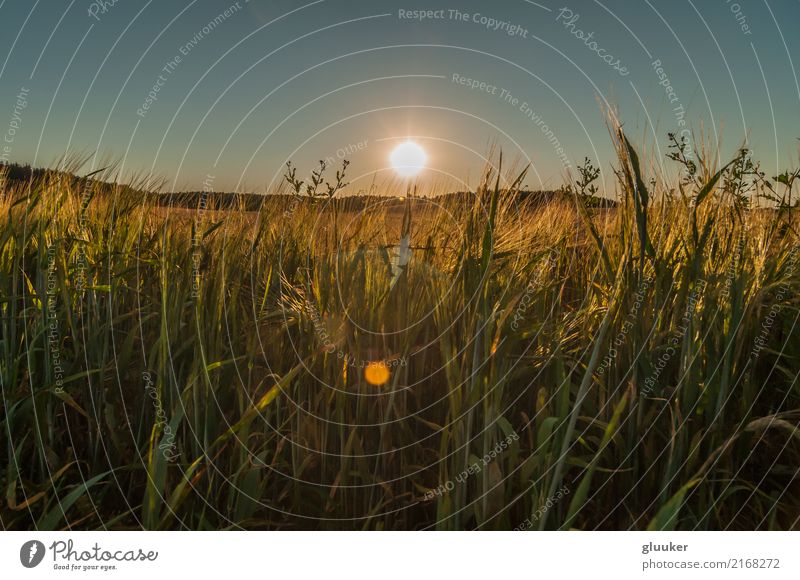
(269, 81)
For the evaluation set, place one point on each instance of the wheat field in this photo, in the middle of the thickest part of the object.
(489, 361)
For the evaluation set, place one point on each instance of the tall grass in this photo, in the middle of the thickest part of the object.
(547, 364)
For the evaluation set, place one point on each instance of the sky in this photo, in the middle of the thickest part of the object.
(220, 95)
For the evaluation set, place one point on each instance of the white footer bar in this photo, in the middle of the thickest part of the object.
(399, 555)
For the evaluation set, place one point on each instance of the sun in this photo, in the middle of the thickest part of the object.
(408, 159)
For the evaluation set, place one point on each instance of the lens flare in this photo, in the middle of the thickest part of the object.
(376, 373)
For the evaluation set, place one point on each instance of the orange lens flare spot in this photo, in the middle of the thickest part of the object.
(376, 373)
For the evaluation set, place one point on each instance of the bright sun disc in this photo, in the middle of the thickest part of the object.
(408, 159)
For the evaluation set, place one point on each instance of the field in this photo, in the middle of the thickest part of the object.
(475, 363)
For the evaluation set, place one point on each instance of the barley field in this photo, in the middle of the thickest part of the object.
(485, 361)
